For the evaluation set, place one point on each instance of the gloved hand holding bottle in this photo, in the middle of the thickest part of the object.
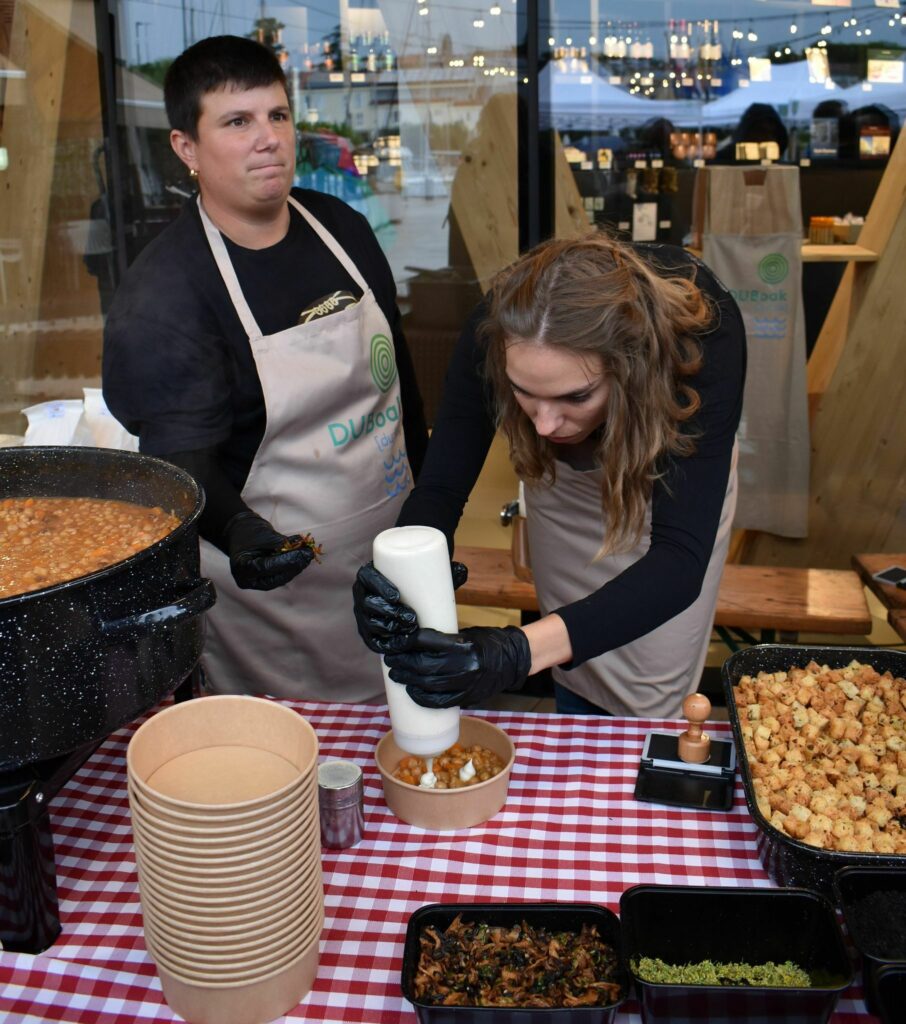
(385, 622)
(443, 670)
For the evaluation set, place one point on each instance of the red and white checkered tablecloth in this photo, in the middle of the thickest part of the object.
(570, 831)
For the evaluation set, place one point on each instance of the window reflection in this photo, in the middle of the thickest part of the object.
(51, 220)
(392, 101)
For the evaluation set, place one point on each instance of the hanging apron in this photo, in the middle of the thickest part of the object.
(332, 463)
(753, 242)
(651, 676)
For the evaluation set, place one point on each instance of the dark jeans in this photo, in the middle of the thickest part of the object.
(569, 703)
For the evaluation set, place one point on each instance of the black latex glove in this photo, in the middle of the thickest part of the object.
(256, 561)
(445, 670)
(384, 622)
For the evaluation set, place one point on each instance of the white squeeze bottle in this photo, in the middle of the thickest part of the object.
(416, 560)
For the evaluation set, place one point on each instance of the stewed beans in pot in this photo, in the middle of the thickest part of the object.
(45, 541)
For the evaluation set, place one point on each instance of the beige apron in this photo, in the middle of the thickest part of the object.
(332, 463)
(753, 242)
(650, 677)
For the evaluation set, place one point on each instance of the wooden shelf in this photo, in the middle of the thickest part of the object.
(841, 253)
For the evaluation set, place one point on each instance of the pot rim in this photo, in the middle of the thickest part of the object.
(112, 454)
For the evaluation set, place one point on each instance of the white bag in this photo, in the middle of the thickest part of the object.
(56, 422)
(102, 426)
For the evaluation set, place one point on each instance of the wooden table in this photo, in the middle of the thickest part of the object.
(893, 599)
(785, 600)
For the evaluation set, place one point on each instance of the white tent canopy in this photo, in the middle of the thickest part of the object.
(580, 101)
(792, 92)
(893, 96)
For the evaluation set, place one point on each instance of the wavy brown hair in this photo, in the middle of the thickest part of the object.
(596, 296)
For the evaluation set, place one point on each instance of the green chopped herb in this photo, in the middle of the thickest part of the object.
(767, 975)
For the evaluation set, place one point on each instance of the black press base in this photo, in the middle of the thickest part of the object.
(29, 917)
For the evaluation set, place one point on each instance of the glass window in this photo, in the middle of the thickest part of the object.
(406, 110)
(643, 92)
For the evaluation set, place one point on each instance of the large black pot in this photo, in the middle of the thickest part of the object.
(80, 659)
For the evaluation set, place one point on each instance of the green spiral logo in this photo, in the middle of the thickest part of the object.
(383, 361)
(773, 268)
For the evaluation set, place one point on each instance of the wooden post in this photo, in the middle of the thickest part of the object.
(857, 389)
(484, 196)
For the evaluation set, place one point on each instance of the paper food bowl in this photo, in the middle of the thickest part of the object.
(243, 1002)
(221, 754)
(446, 810)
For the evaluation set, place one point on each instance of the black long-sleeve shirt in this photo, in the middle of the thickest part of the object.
(686, 502)
(178, 369)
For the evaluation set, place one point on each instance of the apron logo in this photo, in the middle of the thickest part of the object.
(383, 362)
(773, 268)
(342, 433)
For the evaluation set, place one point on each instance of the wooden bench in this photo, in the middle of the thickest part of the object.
(893, 599)
(783, 601)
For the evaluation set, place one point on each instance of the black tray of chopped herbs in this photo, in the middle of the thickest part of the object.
(550, 963)
(724, 954)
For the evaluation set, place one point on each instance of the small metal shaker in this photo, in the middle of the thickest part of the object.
(341, 803)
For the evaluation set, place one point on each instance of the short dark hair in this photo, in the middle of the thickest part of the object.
(212, 64)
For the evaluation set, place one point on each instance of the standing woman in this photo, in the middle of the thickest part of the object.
(256, 342)
(616, 373)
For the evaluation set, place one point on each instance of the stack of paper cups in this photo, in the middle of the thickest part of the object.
(416, 560)
(224, 801)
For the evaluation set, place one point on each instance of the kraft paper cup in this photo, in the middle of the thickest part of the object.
(272, 934)
(203, 909)
(266, 937)
(446, 810)
(299, 906)
(241, 963)
(221, 888)
(296, 876)
(222, 818)
(221, 755)
(238, 850)
(261, 914)
(242, 970)
(264, 999)
(258, 955)
(243, 863)
(205, 841)
(258, 945)
(216, 827)
(240, 859)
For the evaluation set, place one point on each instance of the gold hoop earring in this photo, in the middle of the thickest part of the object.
(193, 174)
